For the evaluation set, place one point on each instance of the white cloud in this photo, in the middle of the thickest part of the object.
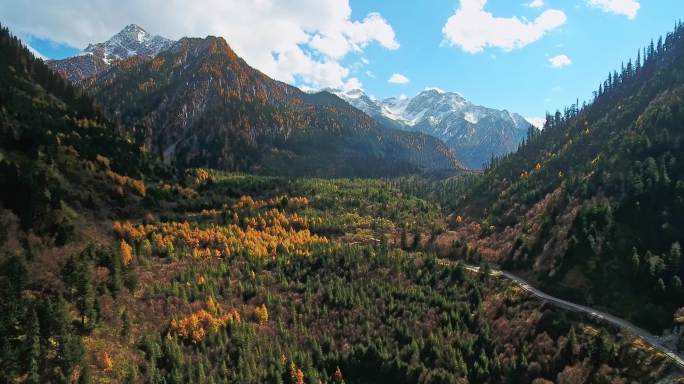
(302, 41)
(353, 83)
(536, 121)
(536, 4)
(398, 78)
(473, 29)
(560, 61)
(627, 8)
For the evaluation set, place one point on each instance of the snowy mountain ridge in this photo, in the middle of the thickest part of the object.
(130, 41)
(96, 58)
(474, 132)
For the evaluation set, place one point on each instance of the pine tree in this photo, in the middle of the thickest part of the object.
(33, 349)
(602, 348)
(71, 352)
(651, 50)
(70, 272)
(609, 83)
(85, 296)
(116, 279)
(125, 324)
(417, 238)
(84, 376)
(660, 286)
(660, 48)
(571, 347)
(635, 262)
(486, 271)
(676, 287)
(15, 270)
(404, 237)
(674, 258)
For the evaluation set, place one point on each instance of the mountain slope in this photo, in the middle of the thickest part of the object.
(63, 172)
(199, 104)
(52, 140)
(474, 133)
(594, 204)
(95, 58)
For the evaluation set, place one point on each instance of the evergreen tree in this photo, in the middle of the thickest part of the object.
(84, 377)
(116, 279)
(85, 295)
(602, 347)
(676, 287)
(635, 262)
(571, 347)
(404, 237)
(651, 50)
(125, 324)
(417, 238)
(71, 352)
(660, 286)
(674, 258)
(15, 270)
(33, 349)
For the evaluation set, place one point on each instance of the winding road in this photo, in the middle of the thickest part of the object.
(624, 325)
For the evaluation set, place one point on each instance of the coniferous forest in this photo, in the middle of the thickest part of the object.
(277, 236)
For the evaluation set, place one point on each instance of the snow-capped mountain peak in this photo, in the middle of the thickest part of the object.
(434, 89)
(130, 41)
(95, 58)
(474, 132)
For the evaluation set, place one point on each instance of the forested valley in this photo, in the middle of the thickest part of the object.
(116, 266)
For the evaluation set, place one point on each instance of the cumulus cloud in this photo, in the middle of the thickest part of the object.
(296, 41)
(473, 29)
(627, 8)
(560, 61)
(352, 83)
(398, 78)
(536, 4)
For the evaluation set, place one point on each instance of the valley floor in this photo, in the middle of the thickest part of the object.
(258, 279)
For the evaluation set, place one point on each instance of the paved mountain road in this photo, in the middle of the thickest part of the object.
(624, 325)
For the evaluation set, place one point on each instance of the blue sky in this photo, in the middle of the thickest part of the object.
(521, 80)
(364, 42)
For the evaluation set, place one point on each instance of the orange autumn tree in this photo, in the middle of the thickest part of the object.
(212, 305)
(104, 361)
(261, 314)
(265, 235)
(126, 252)
(296, 374)
(195, 326)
